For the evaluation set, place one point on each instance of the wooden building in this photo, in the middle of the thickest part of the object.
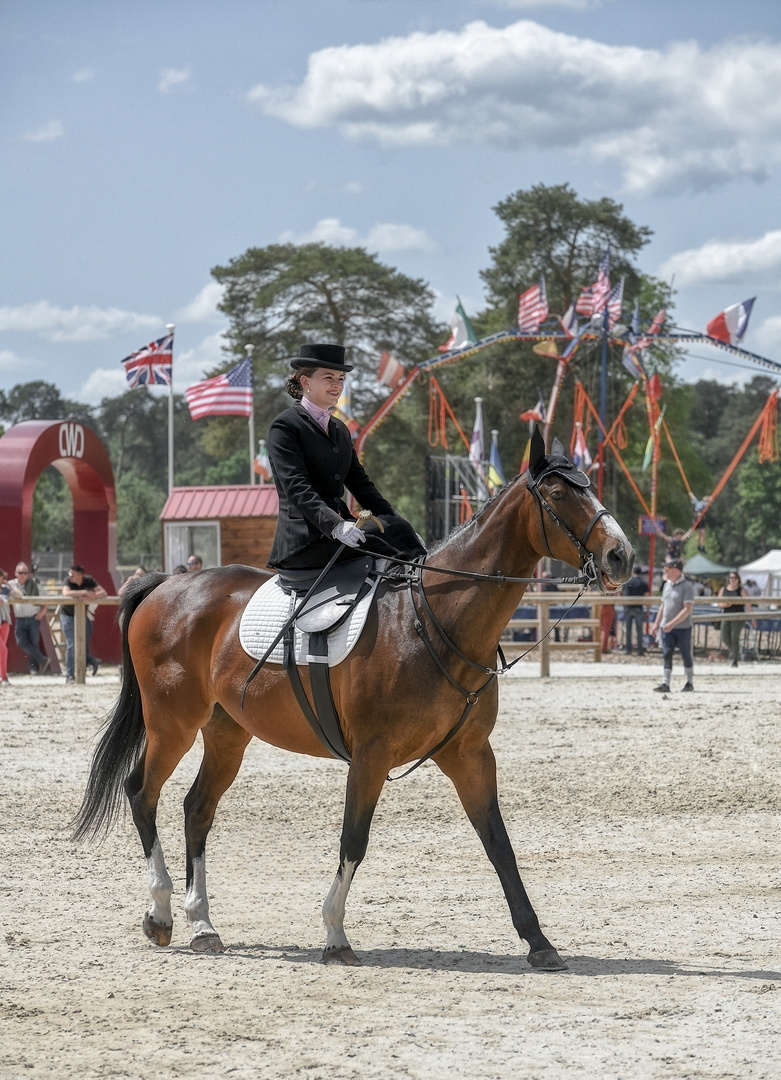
(224, 524)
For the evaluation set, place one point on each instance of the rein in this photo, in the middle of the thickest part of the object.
(589, 575)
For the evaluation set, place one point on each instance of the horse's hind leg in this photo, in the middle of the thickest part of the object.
(474, 777)
(224, 743)
(142, 788)
(364, 784)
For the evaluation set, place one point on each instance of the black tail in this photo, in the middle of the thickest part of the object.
(122, 741)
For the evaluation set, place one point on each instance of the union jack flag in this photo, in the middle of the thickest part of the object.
(152, 365)
(533, 307)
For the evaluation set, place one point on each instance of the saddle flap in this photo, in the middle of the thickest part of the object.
(335, 597)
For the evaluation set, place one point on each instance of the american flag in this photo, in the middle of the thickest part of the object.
(585, 302)
(601, 288)
(151, 365)
(615, 302)
(533, 307)
(229, 394)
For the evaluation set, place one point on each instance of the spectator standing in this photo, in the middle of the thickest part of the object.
(731, 629)
(78, 584)
(634, 615)
(5, 626)
(195, 562)
(674, 618)
(27, 619)
(180, 569)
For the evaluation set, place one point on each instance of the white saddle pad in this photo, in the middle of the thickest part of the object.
(271, 607)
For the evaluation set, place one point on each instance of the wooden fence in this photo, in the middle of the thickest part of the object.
(586, 614)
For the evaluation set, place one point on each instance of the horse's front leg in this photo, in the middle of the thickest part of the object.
(473, 772)
(364, 783)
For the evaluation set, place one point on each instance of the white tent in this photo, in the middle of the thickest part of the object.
(766, 572)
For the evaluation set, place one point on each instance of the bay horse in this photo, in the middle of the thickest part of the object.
(418, 666)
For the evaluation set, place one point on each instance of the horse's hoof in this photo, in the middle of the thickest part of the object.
(160, 933)
(546, 960)
(207, 943)
(342, 955)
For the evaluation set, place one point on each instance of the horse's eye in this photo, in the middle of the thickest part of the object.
(557, 494)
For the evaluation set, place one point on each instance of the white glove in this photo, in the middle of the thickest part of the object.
(347, 533)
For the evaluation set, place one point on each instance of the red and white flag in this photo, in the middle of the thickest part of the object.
(391, 371)
(732, 323)
(533, 307)
(584, 305)
(601, 287)
(615, 302)
(229, 394)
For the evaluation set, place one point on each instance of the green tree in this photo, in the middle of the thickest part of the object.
(280, 296)
(549, 230)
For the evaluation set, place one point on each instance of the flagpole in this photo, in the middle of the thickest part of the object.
(249, 349)
(602, 403)
(170, 328)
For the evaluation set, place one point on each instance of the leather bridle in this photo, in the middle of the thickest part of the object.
(587, 565)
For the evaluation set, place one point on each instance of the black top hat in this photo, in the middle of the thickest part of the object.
(327, 356)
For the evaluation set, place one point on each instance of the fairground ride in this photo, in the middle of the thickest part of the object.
(608, 438)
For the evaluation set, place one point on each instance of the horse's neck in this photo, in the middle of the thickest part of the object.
(496, 541)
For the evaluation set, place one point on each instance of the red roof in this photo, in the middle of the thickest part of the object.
(222, 501)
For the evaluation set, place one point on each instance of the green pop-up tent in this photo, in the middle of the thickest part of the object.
(700, 566)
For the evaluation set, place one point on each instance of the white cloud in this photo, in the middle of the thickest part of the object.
(203, 307)
(171, 77)
(48, 133)
(10, 362)
(102, 383)
(83, 75)
(682, 117)
(755, 262)
(73, 324)
(768, 338)
(191, 365)
(381, 238)
(398, 238)
(354, 187)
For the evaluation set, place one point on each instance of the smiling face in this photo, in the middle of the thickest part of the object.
(323, 387)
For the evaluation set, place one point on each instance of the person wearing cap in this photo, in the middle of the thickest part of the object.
(313, 462)
(674, 617)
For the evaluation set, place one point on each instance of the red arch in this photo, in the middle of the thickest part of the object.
(78, 454)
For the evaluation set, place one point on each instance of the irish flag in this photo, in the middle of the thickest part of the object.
(732, 323)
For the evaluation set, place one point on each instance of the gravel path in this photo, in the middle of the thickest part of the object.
(646, 827)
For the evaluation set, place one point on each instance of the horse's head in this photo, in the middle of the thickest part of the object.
(574, 526)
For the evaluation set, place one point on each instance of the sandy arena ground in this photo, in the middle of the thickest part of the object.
(647, 832)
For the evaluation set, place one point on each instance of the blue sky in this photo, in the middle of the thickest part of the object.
(144, 143)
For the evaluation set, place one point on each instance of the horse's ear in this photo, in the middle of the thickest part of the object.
(536, 452)
(557, 450)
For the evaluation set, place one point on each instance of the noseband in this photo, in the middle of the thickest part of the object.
(587, 565)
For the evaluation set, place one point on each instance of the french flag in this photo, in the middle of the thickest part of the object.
(732, 323)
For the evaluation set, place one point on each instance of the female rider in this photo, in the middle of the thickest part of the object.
(313, 461)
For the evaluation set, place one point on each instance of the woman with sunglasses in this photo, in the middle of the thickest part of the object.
(731, 628)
